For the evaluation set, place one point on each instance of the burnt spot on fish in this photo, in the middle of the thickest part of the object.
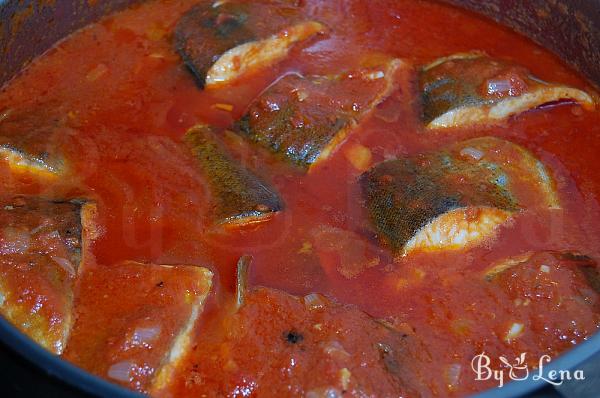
(293, 336)
(460, 194)
(304, 119)
(239, 197)
(42, 245)
(326, 335)
(221, 41)
(472, 88)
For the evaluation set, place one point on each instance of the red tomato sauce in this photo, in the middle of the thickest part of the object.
(128, 101)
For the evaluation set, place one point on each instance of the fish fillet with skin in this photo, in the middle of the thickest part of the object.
(551, 281)
(341, 348)
(471, 88)
(223, 41)
(138, 328)
(455, 198)
(303, 120)
(239, 197)
(42, 245)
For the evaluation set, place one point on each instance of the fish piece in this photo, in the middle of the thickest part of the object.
(225, 40)
(471, 88)
(586, 266)
(137, 331)
(28, 143)
(304, 119)
(457, 229)
(239, 196)
(454, 198)
(562, 278)
(514, 168)
(330, 347)
(259, 54)
(42, 245)
(533, 287)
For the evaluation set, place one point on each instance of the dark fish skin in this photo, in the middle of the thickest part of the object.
(403, 195)
(455, 84)
(302, 120)
(205, 32)
(586, 264)
(299, 130)
(239, 196)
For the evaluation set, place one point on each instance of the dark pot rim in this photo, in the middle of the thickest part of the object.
(58, 368)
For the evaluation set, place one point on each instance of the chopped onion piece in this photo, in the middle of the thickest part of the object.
(518, 302)
(145, 336)
(64, 264)
(324, 393)
(452, 375)
(219, 3)
(301, 94)
(345, 375)
(97, 72)
(306, 248)
(359, 156)
(121, 371)
(224, 107)
(515, 331)
(472, 152)
(155, 33)
(544, 268)
(313, 301)
(499, 86)
(375, 75)
(336, 350)
(54, 235)
(14, 241)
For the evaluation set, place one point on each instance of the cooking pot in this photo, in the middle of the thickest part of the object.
(570, 28)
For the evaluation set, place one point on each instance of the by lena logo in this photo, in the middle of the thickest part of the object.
(518, 370)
